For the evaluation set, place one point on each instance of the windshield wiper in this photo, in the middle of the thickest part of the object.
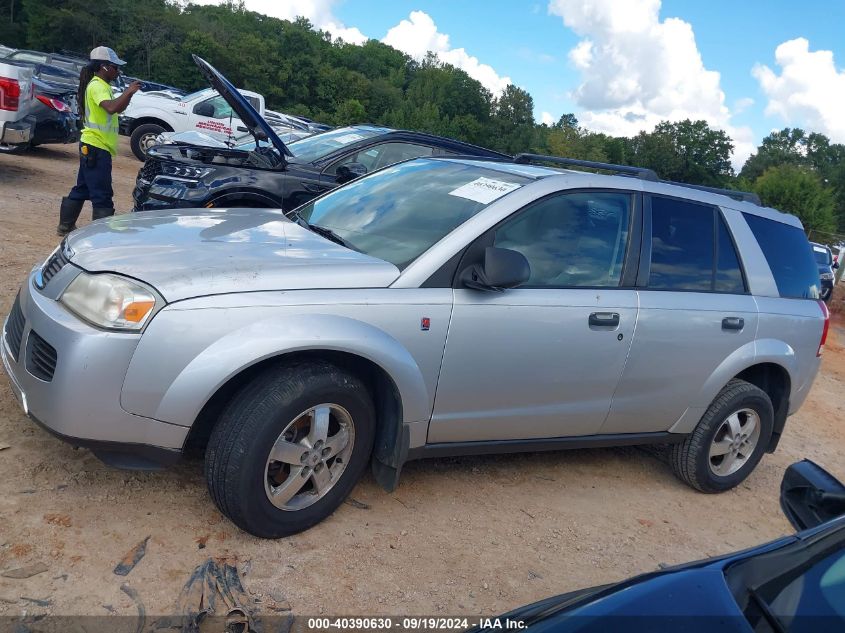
(321, 230)
(329, 234)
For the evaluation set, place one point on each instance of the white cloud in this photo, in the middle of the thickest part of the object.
(547, 119)
(637, 70)
(741, 105)
(418, 35)
(318, 12)
(809, 91)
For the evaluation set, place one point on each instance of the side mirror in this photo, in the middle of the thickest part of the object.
(810, 496)
(502, 268)
(204, 109)
(350, 171)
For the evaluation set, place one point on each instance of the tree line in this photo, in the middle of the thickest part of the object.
(305, 71)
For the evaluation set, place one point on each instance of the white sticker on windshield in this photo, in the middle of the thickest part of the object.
(349, 138)
(484, 190)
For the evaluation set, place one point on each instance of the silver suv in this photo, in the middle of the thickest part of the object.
(441, 306)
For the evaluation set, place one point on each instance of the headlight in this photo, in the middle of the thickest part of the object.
(827, 275)
(185, 171)
(109, 301)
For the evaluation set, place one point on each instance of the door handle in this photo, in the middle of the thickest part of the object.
(733, 323)
(241, 128)
(604, 319)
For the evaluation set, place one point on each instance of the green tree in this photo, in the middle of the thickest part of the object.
(686, 151)
(798, 191)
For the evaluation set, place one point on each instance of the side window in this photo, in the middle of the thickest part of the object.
(378, 156)
(729, 277)
(215, 108)
(681, 245)
(788, 254)
(571, 240)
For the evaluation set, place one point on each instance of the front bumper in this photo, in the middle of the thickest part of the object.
(17, 132)
(80, 400)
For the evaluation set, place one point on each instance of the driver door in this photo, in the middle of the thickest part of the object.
(212, 116)
(377, 156)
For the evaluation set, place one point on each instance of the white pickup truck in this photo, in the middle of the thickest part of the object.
(17, 125)
(151, 113)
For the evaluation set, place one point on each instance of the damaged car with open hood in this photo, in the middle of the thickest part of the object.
(269, 172)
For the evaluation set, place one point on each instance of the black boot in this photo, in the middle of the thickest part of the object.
(102, 212)
(68, 214)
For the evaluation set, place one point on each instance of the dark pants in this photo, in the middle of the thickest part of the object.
(94, 179)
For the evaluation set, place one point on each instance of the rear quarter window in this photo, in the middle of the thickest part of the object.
(789, 256)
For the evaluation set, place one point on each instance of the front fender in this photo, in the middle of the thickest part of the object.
(204, 349)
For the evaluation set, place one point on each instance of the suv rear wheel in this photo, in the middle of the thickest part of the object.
(289, 448)
(728, 442)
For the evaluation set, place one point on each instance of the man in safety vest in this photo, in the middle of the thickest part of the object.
(98, 109)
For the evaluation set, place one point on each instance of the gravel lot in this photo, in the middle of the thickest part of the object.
(459, 536)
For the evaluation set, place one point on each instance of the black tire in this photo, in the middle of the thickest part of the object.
(239, 446)
(139, 134)
(690, 460)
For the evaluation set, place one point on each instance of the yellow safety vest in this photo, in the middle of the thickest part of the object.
(100, 126)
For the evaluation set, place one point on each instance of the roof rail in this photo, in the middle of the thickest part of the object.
(639, 172)
(742, 196)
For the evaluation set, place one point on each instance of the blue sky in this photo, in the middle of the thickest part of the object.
(623, 65)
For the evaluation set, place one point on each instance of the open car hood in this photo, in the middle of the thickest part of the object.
(254, 122)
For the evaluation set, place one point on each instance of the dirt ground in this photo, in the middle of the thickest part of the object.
(459, 536)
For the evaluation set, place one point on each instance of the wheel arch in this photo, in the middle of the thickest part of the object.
(146, 120)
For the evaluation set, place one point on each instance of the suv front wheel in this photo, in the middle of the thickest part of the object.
(728, 442)
(290, 447)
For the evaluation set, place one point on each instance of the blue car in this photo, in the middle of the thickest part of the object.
(795, 584)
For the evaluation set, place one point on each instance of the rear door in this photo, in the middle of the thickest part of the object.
(695, 311)
(543, 360)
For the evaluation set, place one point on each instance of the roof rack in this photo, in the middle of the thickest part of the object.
(639, 172)
(742, 196)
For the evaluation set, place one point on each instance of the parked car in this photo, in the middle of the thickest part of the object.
(276, 174)
(440, 306)
(795, 583)
(149, 114)
(56, 121)
(56, 118)
(17, 124)
(827, 265)
(64, 62)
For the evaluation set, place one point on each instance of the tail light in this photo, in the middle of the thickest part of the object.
(59, 106)
(826, 314)
(10, 94)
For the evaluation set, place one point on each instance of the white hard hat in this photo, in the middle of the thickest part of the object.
(105, 54)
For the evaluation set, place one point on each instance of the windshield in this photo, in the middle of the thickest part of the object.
(198, 93)
(399, 212)
(315, 147)
(822, 256)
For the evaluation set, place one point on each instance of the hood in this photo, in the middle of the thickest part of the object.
(254, 122)
(185, 253)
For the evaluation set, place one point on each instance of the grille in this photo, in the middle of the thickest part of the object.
(150, 170)
(53, 266)
(40, 357)
(14, 328)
